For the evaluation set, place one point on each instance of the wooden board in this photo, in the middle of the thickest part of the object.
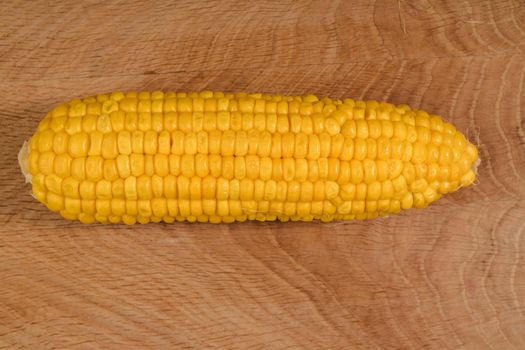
(448, 277)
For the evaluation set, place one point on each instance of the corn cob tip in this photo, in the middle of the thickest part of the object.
(23, 156)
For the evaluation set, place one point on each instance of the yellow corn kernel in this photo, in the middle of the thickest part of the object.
(423, 134)
(117, 119)
(234, 189)
(110, 169)
(419, 200)
(252, 167)
(331, 189)
(136, 164)
(33, 161)
(235, 121)
(43, 125)
(78, 168)
(54, 201)
(387, 189)
(444, 173)
(123, 166)
(325, 142)
(468, 178)
(184, 104)
(449, 129)
(150, 142)
(88, 206)
(89, 123)
(397, 148)
(60, 142)
(103, 209)
(103, 189)
(374, 191)
(395, 206)
(383, 205)
(360, 149)
(124, 142)
(159, 207)
(104, 124)
(432, 153)
(144, 187)
(409, 172)
(130, 188)
(77, 110)
(46, 162)
(39, 190)
(62, 165)
(117, 188)
(131, 121)
(195, 188)
(118, 206)
(131, 211)
(137, 142)
(109, 146)
(419, 153)
(400, 183)
(407, 201)
(144, 105)
(78, 145)
(314, 147)
(73, 206)
(360, 191)
(445, 155)
(94, 168)
(419, 186)
(430, 195)
(170, 121)
(149, 165)
(59, 111)
(128, 104)
(421, 170)
(301, 169)
(53, 183)
(87, 189)
(411, 133)
(395, 168)
(170, 104)
(95, 143)
(202, 142)
(70, 187)
(356, 171)
(157, 186)
(188, 165)
(382, 170)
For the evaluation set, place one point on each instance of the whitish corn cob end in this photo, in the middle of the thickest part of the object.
(23, 155)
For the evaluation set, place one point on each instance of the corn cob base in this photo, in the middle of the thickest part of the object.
(223, 157)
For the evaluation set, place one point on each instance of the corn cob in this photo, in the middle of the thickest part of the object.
(224, 157)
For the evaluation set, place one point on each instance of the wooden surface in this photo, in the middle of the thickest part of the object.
(448, 277)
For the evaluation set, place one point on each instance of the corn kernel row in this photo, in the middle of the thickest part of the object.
(262, 144)
(350, 120)
(57, 193)
(160, 209)
(159, 102)
(112, 209)
(96, 168)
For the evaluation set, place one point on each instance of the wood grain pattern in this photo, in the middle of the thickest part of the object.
(448, 277)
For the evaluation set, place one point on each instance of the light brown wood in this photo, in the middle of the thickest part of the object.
(448, 277)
